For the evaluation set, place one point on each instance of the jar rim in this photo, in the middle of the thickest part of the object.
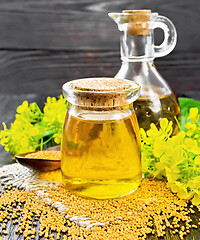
(68, 86)
(120, 14)
(101, 99)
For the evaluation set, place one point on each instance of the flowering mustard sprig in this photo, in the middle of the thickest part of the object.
(32, 128)
(176, 158)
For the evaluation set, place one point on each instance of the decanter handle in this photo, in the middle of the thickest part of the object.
(170, 36)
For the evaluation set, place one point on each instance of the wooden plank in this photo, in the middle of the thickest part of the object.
(44, 72)
(84, 24)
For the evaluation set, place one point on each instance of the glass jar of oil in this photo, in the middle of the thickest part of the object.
(101, 143)
(156, 100)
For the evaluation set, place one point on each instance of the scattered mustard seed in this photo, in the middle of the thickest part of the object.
(151, 209)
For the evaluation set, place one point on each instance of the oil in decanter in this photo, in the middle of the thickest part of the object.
(149, 111)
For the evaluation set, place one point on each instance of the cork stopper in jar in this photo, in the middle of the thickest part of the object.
(101, 84)
(138, 21)
(101, 92)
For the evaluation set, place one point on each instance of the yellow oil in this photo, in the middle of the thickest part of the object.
(153, 110)
(101, 158)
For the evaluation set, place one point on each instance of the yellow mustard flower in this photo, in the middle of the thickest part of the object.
(194, 116)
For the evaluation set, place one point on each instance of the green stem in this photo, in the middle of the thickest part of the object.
(43, 143)
(48, 140)
(178, 123)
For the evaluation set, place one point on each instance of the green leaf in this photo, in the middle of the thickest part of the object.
(185, 105)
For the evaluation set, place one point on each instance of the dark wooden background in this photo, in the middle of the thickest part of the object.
(44, 43)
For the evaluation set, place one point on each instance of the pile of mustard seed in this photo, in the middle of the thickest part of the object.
(49, 155)
(151, 210)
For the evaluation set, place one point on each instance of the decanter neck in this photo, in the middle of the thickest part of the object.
(133, 70)
(137, 48)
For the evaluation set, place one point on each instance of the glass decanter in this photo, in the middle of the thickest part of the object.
(138, 51)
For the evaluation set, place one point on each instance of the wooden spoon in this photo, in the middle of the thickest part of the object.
(42, 165)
